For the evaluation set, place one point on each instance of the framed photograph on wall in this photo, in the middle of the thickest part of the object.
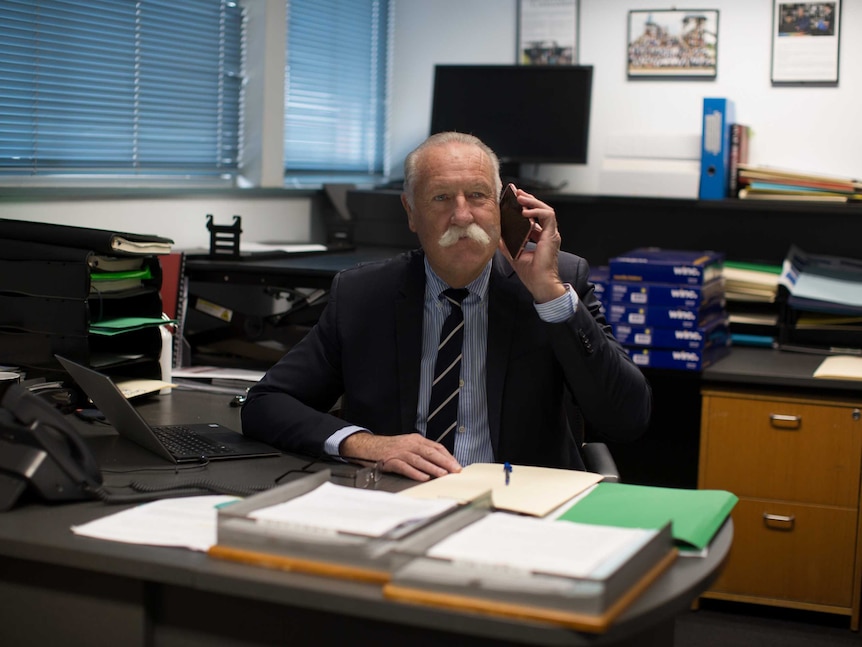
(671, 43)
(805, 37)
(547, 32)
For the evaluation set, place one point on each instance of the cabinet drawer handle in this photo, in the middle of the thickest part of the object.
(779, 521)
(782, 421)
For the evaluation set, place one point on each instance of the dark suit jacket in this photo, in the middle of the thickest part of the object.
(367, 346)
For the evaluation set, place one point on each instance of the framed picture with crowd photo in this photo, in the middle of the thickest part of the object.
(671, 43)
(805, 38)
(547, 32)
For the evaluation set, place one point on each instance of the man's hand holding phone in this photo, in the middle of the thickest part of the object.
(532, 220)
(515, 229)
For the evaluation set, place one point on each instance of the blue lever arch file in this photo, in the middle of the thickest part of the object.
(718, 116)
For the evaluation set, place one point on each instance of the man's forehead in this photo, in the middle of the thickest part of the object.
(459, 180)
(457, 166)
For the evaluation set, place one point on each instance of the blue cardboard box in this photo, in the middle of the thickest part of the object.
(666, 294)
(716, 332)
(664, 317)
(678, 359)
(656, 265)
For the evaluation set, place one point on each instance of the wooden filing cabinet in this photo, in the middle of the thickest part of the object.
(794, 462)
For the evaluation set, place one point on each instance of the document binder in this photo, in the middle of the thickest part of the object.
(718, 116)
(102, 241)
(37, 269)
(588, 602)
(53, 290)
(293, 547)
(820, 301)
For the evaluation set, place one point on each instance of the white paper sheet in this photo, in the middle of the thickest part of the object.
(338, 508)
(537, 545)
(187, 522)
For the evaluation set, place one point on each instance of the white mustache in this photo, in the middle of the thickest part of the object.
(471, 231)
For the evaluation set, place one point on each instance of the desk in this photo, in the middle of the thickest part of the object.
(59, 588)
(301, 270)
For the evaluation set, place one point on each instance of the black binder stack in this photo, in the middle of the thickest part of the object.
(820, 298)
(59, 284)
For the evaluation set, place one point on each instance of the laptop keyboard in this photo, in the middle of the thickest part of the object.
(182, 441)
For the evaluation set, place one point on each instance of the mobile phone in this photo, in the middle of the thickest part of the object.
(514, 228)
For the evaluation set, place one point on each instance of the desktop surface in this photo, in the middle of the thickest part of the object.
(172, 592)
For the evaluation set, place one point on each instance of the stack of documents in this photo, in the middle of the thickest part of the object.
(576, 575)
(578, 567)
(314, 526)
(823, 308)
(766, 183)
(752, 291)
(89, 294)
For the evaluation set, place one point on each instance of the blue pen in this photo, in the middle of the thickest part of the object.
(507, 470)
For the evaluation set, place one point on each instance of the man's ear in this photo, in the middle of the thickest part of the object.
(409, 211)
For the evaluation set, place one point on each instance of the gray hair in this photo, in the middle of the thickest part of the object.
(411, 162)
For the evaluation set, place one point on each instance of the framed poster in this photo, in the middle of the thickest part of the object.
(673, 43)
(547, 32)
(805, 37)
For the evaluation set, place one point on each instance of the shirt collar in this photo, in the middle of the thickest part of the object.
(478, 286)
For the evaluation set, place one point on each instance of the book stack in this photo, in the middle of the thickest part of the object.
(751, 290)
(90, 295)
(765, 183)
(668, 307)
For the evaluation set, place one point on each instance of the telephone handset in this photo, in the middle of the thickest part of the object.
(39, 448)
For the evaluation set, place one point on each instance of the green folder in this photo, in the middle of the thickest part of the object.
(695, 515)
(110, 327)
(144, 273)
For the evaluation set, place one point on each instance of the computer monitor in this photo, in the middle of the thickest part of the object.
(525, 113)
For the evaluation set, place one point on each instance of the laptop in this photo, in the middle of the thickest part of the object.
(176, 443)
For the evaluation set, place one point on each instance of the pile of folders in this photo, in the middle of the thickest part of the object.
(667, 307)
(91, 295)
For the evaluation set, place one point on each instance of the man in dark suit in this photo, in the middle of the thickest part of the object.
(534, 335)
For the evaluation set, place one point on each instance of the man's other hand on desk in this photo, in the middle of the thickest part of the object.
(411, 455)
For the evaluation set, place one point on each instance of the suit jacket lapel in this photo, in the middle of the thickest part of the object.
(409, 305)
(503, 304)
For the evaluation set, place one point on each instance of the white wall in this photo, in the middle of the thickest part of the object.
(814, 129)
(811, 129)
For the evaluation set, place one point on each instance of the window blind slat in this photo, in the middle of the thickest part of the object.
(120, 87)
(335, 85)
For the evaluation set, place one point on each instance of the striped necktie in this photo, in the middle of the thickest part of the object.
(443, 409)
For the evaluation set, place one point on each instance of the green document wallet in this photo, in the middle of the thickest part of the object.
(695, 515)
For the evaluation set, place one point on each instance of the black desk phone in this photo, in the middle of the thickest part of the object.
(41, 450)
